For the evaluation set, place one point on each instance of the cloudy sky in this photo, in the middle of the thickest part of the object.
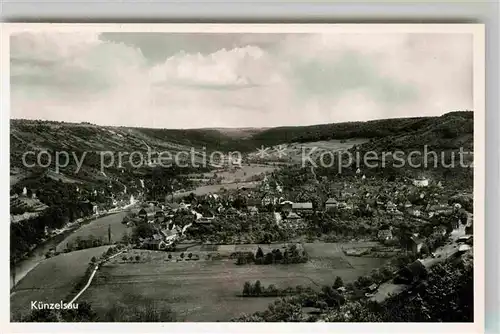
(180, 80)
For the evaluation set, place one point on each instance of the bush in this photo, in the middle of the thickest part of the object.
(241, 260)
(338, 283)
(321, 305)
(363, 282)
(272, 290)
(247, 289)
(257, 289)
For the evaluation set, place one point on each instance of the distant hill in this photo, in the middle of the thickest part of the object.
(449, 131)
(435, 143)
(448, 126)
(27, 134)
(240, 133)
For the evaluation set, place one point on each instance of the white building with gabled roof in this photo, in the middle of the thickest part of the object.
(421, 181)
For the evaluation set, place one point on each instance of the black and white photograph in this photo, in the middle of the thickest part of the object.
(246, 173)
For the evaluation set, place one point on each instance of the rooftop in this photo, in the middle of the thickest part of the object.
(292, 215)
(253, 202)
(153, 241)
(305, 205)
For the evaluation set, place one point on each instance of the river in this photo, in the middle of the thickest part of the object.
(22, 268)
(37, 255)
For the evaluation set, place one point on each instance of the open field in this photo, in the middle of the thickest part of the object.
(53, 279)
(293, 151)
(226, 250)
(208, 290)
(203, 290)
(99, 228)
(232, 179)
(244, 173)
(334, 144)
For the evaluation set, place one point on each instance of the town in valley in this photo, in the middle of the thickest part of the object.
(259, 239)
(211, 176)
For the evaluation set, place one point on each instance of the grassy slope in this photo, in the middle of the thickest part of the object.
(80, 137)
(53, 279)
(449, 131)
(99, 229)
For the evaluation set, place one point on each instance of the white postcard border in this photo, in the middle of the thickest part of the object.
(478, 32)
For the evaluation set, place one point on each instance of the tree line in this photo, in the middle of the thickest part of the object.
(291, 255)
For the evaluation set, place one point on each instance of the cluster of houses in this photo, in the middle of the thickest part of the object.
(416, 199)
(162, 218)
(415, 243)
(160, 241)
(392, 201)
(204, 209)
(272, 195)
(384, 203)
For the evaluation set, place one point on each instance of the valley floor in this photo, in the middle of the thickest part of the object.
(201, 290)
(210, 290)
(52, 280)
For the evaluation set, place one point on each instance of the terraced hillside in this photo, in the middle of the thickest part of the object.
(448, 132)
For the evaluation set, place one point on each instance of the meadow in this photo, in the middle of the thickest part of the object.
(243, 174)
(208, 290)
(202, 290)
(99, 229)
(293, 152)
(231, 179)
(52, 280)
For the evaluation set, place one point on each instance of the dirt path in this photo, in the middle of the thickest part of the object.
(92, 276)
(86, 285)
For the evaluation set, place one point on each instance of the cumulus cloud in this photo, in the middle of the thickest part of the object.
(237, 80)
(236, 67)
